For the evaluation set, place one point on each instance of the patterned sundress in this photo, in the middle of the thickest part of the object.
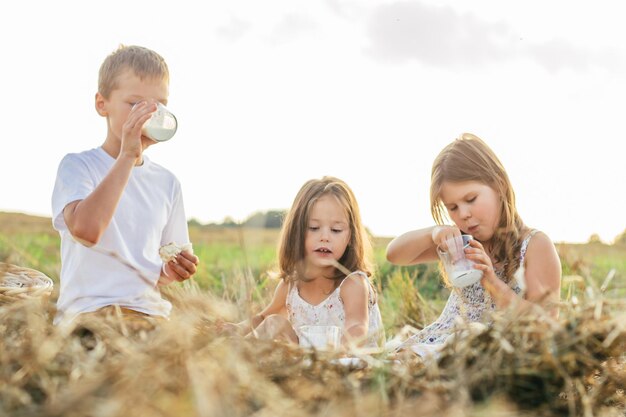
(469, 303)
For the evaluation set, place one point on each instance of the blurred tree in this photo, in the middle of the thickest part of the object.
(194, 223)
(594, 238)
(272, 219)
(621, 238)
(229, 222)
(275, 219)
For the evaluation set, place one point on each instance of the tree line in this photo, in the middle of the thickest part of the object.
(272, 219)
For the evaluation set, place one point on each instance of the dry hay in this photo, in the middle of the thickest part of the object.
(112, 367)
(18, 283)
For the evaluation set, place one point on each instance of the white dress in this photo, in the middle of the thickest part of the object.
(469, 303)
(331, 312)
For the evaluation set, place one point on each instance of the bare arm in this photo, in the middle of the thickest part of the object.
(542, 275)
(419, 246)
(276, 306)
(355, 295)
(87, 219)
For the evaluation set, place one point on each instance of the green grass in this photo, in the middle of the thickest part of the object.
(39, 251)
(236, 265)
(593, 263)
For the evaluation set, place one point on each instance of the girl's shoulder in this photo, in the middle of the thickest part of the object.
(355, 277)
(535, 243)
(357, 273)
(283, 288)
(528, 232)
(541, 267)
(534, 236)
(357, 283)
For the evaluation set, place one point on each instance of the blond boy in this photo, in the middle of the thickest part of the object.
(114, 207)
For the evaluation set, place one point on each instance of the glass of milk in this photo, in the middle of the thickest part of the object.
(459, 269)
(161, 126)
(320, 337)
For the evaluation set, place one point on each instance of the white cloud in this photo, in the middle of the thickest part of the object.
(558, 54)
(292, 26)
(442, 36)
(435, 35)
(234, 30)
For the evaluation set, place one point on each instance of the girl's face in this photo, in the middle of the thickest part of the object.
(328, 233)
(473, 206)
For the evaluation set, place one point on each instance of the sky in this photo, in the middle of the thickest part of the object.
(269, 94)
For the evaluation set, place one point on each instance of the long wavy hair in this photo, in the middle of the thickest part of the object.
(468, 158)
(291, 246)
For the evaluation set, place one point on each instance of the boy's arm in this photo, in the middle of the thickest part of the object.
(87, 219)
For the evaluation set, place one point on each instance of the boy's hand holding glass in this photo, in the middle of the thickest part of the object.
(131, 130)
(161, 126)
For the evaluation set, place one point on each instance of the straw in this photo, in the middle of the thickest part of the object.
(17, 283)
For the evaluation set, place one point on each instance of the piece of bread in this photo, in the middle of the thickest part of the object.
(171, 250)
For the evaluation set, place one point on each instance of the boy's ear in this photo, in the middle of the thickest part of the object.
(100, 105)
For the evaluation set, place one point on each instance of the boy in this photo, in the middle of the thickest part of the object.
(113, 207)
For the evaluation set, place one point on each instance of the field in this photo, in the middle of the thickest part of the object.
(185, 367)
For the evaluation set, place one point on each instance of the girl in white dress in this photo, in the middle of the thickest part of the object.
(324, 265)
(521, 267)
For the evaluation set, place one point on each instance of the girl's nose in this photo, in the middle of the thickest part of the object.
(465, 212)
(324, 235)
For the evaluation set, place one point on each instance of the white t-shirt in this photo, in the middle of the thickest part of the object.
(150, 214)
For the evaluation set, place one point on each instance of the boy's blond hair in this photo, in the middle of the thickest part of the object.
(144, 62)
